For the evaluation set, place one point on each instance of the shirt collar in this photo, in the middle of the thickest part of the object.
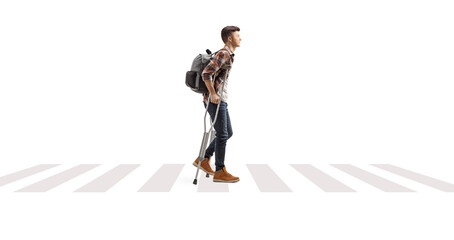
(228, 49)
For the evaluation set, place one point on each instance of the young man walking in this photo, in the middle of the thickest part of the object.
(214, 75)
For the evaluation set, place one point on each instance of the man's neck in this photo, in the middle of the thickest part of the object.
(231, 48)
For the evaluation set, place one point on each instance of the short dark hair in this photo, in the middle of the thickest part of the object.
(227, 32)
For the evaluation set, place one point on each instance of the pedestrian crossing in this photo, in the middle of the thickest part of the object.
(372, 179)
(288, 178)
(163, 179)
(109, 179)
(324, 181)
(266, 179)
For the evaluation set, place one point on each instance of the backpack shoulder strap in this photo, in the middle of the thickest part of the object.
(230, 56)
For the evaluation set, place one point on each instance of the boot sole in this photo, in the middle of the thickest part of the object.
(203, 169)
(224, 181)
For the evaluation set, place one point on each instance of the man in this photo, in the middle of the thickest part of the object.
(220, 67)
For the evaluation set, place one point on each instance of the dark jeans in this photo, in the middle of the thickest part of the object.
(224, 131)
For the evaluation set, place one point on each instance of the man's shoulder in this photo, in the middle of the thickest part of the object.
(225, 54)
(225, 51)
(222, 52)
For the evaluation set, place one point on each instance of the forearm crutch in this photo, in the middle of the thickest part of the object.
(208, 136)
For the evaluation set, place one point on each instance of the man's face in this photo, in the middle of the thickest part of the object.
(236, 39)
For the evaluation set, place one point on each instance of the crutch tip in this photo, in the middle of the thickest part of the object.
(195, 182)
(208, 175)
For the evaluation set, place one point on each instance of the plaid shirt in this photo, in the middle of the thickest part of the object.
(220, 66)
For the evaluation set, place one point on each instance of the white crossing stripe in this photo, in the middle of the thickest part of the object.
(25, 173)
(164, 179)
(51, 182)
(266, 179)
(207, 185)
(321, 179)
(371, 178)
(426, 180)
(109, 179)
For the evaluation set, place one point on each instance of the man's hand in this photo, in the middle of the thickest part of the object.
(214, 98)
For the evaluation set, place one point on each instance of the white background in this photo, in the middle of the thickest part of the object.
(321, 82)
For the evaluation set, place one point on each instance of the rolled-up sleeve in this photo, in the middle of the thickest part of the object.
(215, 64)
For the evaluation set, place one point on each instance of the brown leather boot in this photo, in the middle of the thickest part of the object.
(204, 166)
(223, 176)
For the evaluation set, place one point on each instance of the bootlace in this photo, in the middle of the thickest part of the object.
(227, 173)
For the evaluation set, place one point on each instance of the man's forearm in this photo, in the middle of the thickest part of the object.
(210, 87)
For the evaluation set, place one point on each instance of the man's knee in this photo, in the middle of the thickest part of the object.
(222, 137)
(230, 135)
